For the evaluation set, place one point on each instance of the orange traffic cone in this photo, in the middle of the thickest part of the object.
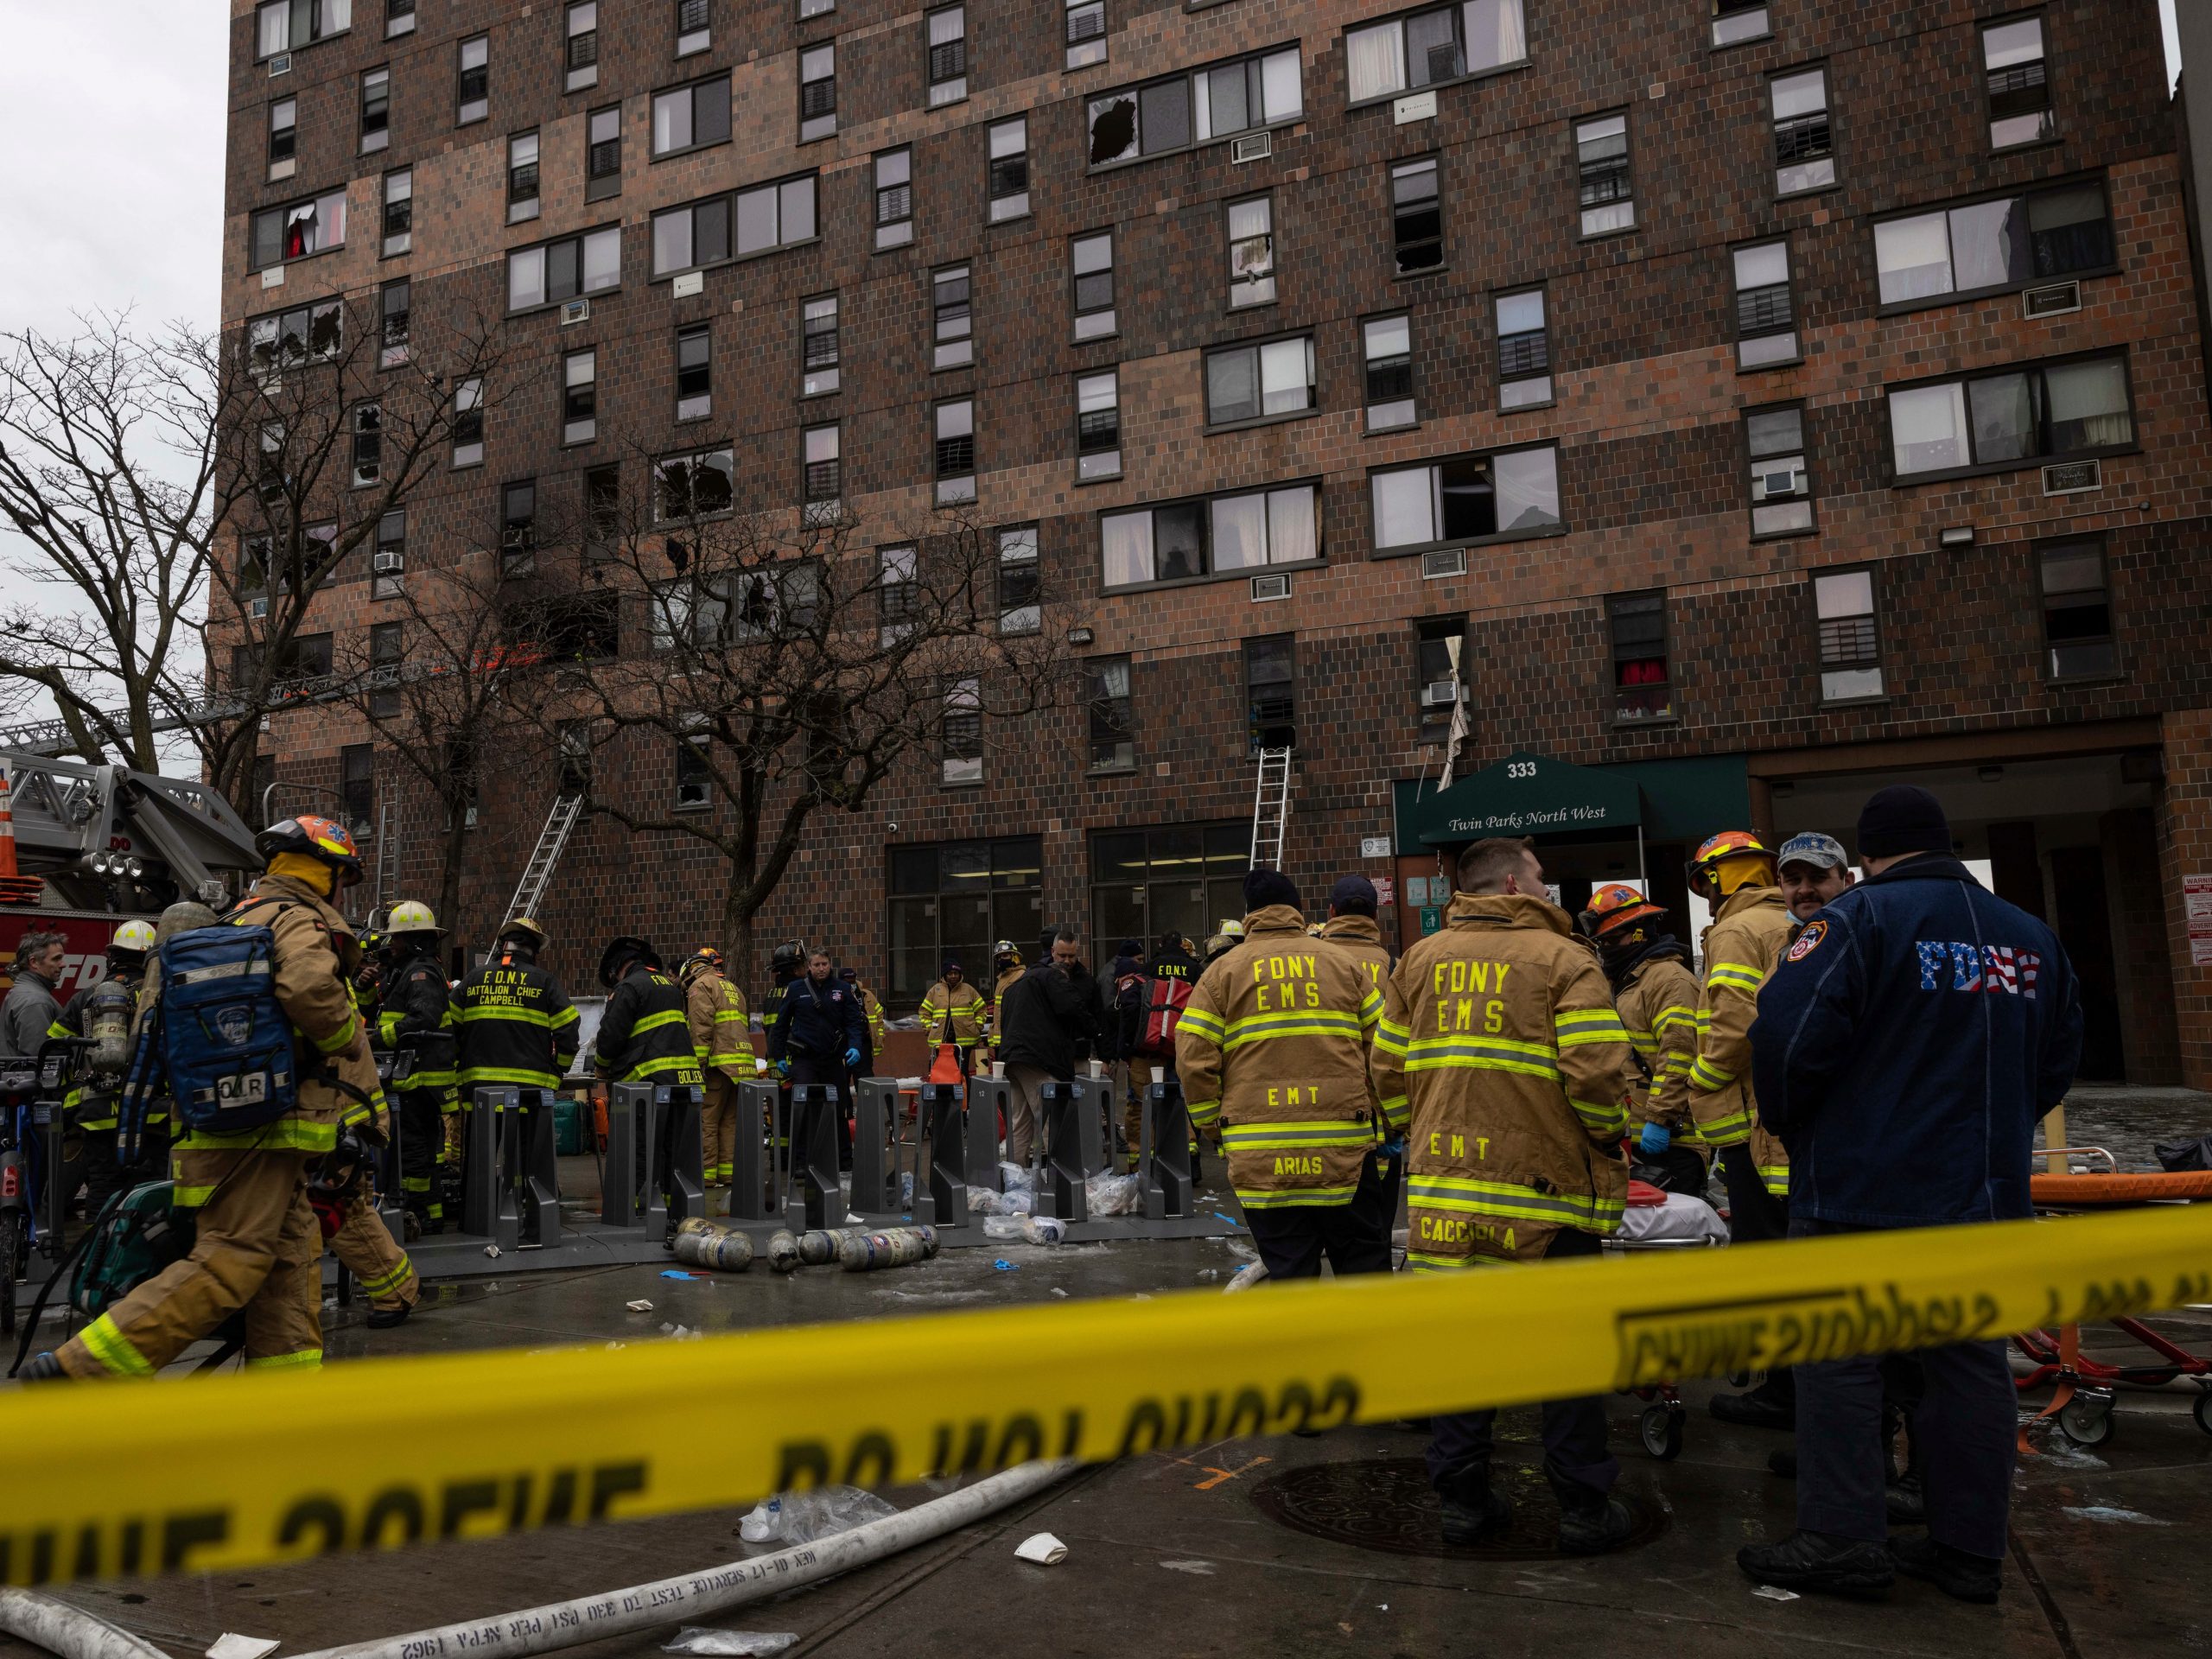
(15, 889)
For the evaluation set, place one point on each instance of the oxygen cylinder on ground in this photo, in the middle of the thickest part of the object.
(897, 1246)
(819, 1248)
(783, 1251)
(703, 1243)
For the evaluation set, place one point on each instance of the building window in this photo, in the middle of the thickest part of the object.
(768, 217)
(1184, 878)
(692, 117)
(283, 138)
(288, 25)
(602, 511)
(953, 899)
(824, 475)
(1437, 645)
(376, 109)
(1601, 167)
(2014, 417)
(517, 525)
(1195, 107)
(522, 177)
(1253, 382)
(818, 92)
(1387, 344)
(694, 31)
(1782, 490)
(553, 271)
(1851, 643)
(398, 309)
(299, 231)
(1086, 33)
(948, 55)
(2019, 84)
(1468, 499)
(898, 594)
(357, 785)
(387, 651)
(1021, 583)
(1112, 716)
(816, 8)
(1638, 623)
(580, 396)
(583, 60)
(368, 445)
(964, 731)
(1009, 169)
(695, 372)
(398, 18)
(1251, 252)
(1091, 258)
(1427, 49)
(1994, 245)
(817, 326)
(694, 778)
(293, 339)
(1416, 216)
(956, 451)
(1766, 320)
(1735, 22)
(1097, 426)
(603, 154)
(468, 424)
(398, 214)
(696, 485)
(894, 199)
(1804, 139)
(2077, 628)
(953, 319)
(1271, 692)
(1524, 351)
(472, 89)
(1222, 535)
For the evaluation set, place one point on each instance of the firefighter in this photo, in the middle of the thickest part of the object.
(1006, 968)
(719, 1022)
(516, 1024)
(1734, 873)
(91, 1103)
(1656, 995)
(1351, 927)
(257, 1247)
(1272, 1044)
(644, 1036)
(416, 1012)
(1500, 1028)
(954, 1013)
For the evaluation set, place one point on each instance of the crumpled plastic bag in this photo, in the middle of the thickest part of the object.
(1015, 1177)
(696, 1638)
(1109, 1194)
(828, 1510)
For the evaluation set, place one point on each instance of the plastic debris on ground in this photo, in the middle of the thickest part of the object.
(1220, 1215)
(492, 1250)
(1198, 1569)
(230, 1645)
(693, 1638)
(1005, 1266)
(1245, 1277)
(1042, 1549)
(678, 1273)
(1775, 1593)
(807, 1517)
(639, 1306)
(2114, 1517)
(1002, 1227)
(1045, 1229)
(1108, 1194)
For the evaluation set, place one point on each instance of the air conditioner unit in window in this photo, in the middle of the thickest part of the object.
(2052, 300)
(1252, 147)
(1267, 588)
(2073, 477)
(280, 65)
(1439, 694)
(574, 312)
(1778, 486)
(1444, 562)
(386, 563)
(256, 608)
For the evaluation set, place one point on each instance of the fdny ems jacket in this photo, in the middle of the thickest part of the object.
(719, 1022)
(955, 1014)
(1274, 1044)
(1361, 939)
(1657, 999)
(516, 1027)
(817, 1022)
(1748, 933)
(1501, 1030)
(416, 1002)
(644, 1035)
(1906, 1045)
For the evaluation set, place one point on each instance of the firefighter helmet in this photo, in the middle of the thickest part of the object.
(1004, 955)
(1233, 928)
(134, 938)
(1617, 905)
(323, 838)
(1707, 864)
(698, 961)
(621, 950)
(788, 959)
(412, 916)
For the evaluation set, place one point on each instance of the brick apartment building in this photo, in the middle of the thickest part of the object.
(1740, 404)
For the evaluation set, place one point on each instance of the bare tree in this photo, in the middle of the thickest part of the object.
(798, 660)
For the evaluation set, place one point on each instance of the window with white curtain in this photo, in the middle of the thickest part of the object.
(2013, 416)
(1222, 535)
(1426, 48)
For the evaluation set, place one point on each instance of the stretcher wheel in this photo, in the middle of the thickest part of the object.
(1662, 1429)
(2202, 1410)
(2086, 1419)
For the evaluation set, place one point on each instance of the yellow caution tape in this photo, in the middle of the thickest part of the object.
(103, 1480)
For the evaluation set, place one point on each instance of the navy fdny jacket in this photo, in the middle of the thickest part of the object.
(1906, 1044)
(819, 1021)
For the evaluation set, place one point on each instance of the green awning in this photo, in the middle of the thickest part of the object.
(1529, 794)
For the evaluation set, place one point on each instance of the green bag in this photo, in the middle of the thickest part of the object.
(567, 1127)
(139, 1235)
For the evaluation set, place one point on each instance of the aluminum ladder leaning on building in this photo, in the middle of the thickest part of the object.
(1270, 808)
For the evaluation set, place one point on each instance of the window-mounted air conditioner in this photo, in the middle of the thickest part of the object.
(2051, 300)
(280, 65)
(256, 608)
(1444, 562)
(574, 312)
(1784, 485)
(1252, 147)
(1439, 694)
(384, 565)
(2073, 477)
(1267, 588)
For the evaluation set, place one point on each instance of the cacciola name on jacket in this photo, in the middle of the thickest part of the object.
(1961, 965)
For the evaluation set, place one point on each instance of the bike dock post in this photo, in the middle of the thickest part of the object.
(1166, 1163)
(674, 1158)
(1066, 1141)
(626, 1104)
(875, 1170)
(758, 1107)
(989, 1099)
(539, 1186)
(940, 1123)
(499, 1105)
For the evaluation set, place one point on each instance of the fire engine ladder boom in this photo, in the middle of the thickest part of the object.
(567, 809)
(1270, 808)
(387, 854)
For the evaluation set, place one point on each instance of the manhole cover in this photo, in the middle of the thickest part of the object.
(1385, 1503)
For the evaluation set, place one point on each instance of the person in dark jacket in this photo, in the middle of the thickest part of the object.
(416, 1012)
(644, 1036)
(1050, 1010)
(817, 1035)
(1906, 1044)
(31, 1011)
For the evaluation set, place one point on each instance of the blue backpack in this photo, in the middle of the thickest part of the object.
(223, 1040)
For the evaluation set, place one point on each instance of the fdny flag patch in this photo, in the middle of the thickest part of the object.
(1807, 941)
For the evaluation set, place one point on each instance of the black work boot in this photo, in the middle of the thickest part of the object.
(1474, 1513)
(383, 1319)
(1956, 1572)
(1907, 1503)
(1765, 1407)
(1593, 1523)
(1823, 1562)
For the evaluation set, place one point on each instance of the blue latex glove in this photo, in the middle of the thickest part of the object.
(783, 1068)
(1395, 1147)
(1656, 1138)
(851, 1058)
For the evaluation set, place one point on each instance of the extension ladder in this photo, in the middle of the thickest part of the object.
(1270, 808)
(567, 809)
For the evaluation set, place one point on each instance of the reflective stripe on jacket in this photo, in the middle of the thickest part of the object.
(719, 1022)
(517, 1027)
(1746, 938)
(955, 1014)
(1501, 1030)
(644, 1036)
(416, 1002)
(998, 1006)
(1274, 1044)
(1360, 938)
(1658, 1005)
